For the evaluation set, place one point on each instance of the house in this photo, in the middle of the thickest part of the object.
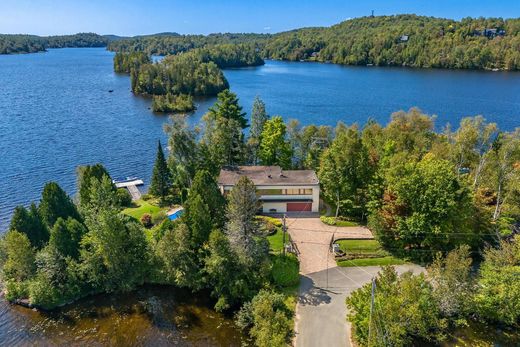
(404, 38)
(278, 190)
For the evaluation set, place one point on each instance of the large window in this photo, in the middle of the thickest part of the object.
(291, 191)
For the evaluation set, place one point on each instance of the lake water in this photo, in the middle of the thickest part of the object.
(56, 112)
(149, 316)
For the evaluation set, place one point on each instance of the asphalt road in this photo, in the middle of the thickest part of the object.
(321, 311)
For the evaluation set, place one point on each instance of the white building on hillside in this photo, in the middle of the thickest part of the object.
(278, 190)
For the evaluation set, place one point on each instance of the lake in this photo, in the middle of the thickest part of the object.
(148, 316)
(56, 112)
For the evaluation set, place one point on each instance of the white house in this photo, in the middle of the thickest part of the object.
(278, 190)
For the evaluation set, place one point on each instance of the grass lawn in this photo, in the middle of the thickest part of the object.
(141, 207)
(389, 260)
(276, 241)
(365, 253)
(339, 222)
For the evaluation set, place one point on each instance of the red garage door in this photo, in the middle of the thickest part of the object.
(299, 206)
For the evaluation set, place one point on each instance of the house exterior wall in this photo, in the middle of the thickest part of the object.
(279, 202)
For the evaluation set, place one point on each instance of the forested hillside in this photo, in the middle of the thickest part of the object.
(402, 40)
(13, 44)
(161, 44)
(406, 40)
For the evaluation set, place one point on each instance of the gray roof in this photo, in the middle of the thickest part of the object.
(267, 175)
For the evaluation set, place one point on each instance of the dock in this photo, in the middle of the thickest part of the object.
(130, 184)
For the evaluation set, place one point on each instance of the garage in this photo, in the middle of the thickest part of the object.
(299, 206)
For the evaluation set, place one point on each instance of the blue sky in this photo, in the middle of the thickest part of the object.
(128, 17)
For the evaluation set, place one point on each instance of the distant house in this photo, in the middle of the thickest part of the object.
(278, 190)
(404, 38)
(490, 33)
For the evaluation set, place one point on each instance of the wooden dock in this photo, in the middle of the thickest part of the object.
(131, 186)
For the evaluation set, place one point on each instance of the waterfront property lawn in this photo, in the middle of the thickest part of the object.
(338, 222)
(365, 253)
(141, 207)
(389, 260)
(276, 241)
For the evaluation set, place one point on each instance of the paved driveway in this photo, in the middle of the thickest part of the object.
(313, 239)
(321, 310)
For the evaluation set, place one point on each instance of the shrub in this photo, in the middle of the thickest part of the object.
(328, 220)
(268, 319)
(285, 270)
(158, 217)
(146, 220)
(123, 197)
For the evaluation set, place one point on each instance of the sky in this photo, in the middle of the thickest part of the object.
(132, 17)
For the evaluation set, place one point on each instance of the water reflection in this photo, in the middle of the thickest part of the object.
(152, 315)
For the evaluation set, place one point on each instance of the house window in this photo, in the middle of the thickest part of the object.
(301, 191)
(269, 192)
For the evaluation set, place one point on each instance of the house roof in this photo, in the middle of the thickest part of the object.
(267, 175)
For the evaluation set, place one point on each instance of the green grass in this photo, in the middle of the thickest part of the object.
(141, 207)
(365, 253)
(276, 241)
(285, 271)
(338, 222)
(359, 246)
(388, 260)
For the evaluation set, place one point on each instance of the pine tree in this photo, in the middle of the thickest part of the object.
(258, 119)
(161, 178)
(56, 203)
(30, 223)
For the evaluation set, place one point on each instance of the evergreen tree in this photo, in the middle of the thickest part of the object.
(241, 226)
(84, 180)
(30, 223)
(205, 186)
(66, 237)
(258, 118)
(56, 203)
(227, 107)
(198, 219)
(161, 179)
(224, 124)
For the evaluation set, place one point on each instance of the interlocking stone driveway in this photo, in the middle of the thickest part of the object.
(313, 239)
(321, 310)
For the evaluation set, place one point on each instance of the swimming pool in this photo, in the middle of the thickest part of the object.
(176, 215)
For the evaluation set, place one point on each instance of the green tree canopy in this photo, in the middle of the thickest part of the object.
(274, 148)
(31, 224)
(55, 203)
(161, 179)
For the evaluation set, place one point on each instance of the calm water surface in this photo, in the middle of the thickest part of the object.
(150, 316)
(56, 113)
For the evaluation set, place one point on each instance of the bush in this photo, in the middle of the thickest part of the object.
(146, 197)
(158, 217)
(285, 270)
(268, 319)
(146, 220)
(16, 290)
(123, 197)
(328, 220)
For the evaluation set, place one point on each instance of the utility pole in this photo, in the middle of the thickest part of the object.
(283, 237)
(371, 310)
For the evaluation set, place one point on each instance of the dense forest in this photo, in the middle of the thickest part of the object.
(196, 72)
(12, 44)
(401, 40)
(173, 44)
